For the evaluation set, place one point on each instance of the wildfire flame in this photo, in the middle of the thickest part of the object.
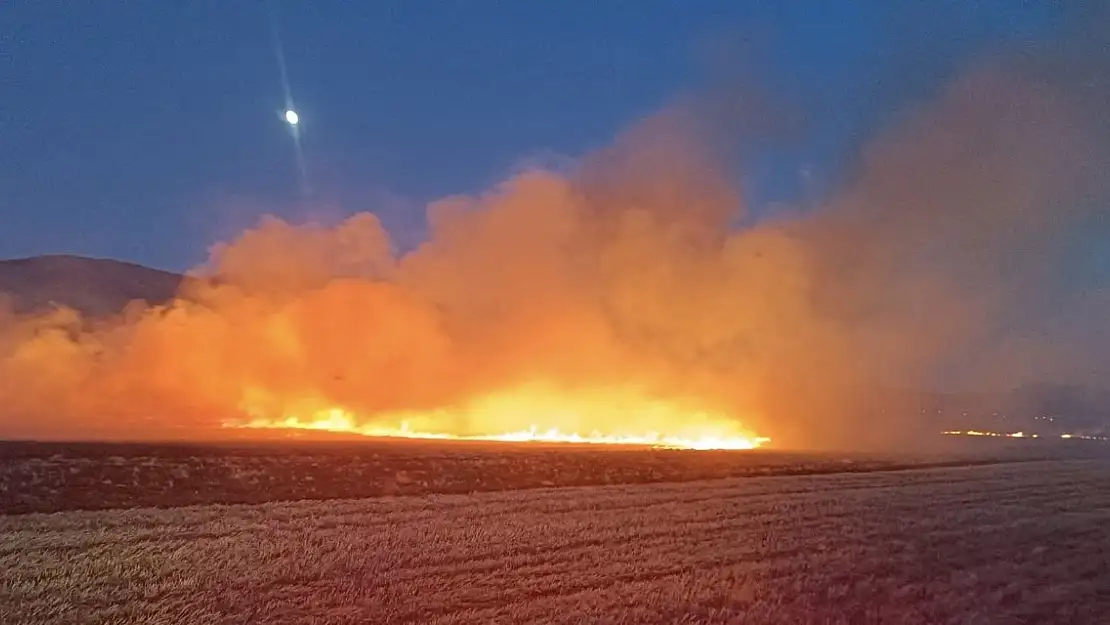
(551, 418)
(1065, 436)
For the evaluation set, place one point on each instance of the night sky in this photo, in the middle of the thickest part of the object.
(146, 131)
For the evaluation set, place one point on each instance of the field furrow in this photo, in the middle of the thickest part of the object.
(993, 544)
(990, 544)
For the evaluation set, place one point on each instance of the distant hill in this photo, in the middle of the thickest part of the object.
(96, 287)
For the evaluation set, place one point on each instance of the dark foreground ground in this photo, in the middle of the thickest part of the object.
(53, 477)
(1007, 543)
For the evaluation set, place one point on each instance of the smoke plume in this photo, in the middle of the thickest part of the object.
(941, 259)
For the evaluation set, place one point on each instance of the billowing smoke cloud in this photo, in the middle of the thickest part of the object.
(939, 260)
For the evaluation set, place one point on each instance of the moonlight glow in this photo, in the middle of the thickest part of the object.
(291, 117)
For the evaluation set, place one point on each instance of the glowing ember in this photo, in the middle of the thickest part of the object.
(1020, 435)
(498, 418)
(995, 434)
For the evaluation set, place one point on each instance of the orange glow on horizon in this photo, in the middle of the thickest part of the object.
(533, 413)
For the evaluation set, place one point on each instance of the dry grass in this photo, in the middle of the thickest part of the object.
(1018, 543)
(57, 477)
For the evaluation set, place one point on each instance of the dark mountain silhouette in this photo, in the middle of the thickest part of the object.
(95, 287)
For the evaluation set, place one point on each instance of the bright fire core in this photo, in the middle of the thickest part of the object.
(534, 414)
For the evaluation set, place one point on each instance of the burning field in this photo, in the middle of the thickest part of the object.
(574, 400)
(632, 297)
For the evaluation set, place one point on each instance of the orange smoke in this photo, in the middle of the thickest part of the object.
(616, 303)
(507, 323)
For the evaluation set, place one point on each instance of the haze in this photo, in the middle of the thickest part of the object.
(945, 259)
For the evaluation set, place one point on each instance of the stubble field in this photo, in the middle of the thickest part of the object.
(56, 477)
(1002, 543)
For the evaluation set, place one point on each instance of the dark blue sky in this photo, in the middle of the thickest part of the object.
(146, 131)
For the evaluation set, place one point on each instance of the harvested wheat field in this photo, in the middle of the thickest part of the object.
(61, 477)
(1007, 543)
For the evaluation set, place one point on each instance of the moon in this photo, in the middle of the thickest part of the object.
(291, 117)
